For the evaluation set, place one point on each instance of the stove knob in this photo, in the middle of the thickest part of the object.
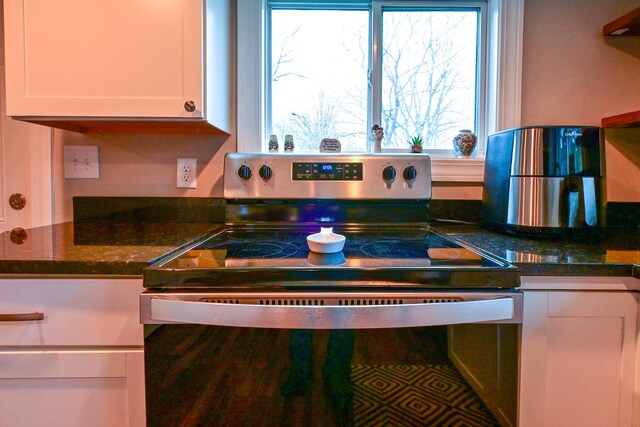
(266, 173)
(244, 172)
(388, 175)
(410, 173)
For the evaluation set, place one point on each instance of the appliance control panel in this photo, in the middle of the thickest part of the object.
(327, 176)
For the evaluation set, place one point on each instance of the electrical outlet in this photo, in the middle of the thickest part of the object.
(81, 161)
(186, 177)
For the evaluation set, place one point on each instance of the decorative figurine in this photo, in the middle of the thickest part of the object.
(377, 133)
(273, 144)
(288, 143)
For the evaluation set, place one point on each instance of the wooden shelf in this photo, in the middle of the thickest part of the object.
(627, 25)
(631, 119)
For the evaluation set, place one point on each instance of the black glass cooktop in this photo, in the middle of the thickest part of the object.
(402, 254)
(237, 247)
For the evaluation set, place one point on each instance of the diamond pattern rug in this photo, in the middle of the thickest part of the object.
(415, 395)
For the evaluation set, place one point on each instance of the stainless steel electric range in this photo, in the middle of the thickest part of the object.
(396, 282)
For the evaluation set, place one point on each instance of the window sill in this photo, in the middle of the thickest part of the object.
(456, 169)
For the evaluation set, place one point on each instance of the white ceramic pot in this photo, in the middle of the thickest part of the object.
(326, 241)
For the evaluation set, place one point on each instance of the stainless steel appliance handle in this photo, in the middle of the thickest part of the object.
(589, 201)
(582, 202)
(173, 310)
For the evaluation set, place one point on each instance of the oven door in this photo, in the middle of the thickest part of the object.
(323, 358)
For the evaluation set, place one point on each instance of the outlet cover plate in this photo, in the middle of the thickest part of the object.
(186, 176)
(81, 161)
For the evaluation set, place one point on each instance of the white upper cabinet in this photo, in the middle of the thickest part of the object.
(118, 64)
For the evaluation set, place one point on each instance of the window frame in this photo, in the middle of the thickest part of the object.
(500, 77)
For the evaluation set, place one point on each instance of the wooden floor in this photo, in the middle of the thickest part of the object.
(215, 376)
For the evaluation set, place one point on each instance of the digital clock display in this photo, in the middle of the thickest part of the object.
(326, 171)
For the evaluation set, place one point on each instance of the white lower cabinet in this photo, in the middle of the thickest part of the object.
(82, 364)
(578, 358)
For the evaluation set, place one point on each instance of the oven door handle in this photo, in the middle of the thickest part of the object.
(164, 310)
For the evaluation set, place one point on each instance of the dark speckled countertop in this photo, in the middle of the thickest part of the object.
(127, 248)
(616, 252)
(121, 236)
(100, 248)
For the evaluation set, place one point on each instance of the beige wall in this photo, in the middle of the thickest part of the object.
(571, 75)
(139, 165)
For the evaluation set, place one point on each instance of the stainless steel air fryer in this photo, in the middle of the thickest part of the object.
(545, 180)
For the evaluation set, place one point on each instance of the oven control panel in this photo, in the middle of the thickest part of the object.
(327, 176)
(327, 171)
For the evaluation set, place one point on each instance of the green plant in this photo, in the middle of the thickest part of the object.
(417, 140)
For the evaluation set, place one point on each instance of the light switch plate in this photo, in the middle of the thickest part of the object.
(81, 161)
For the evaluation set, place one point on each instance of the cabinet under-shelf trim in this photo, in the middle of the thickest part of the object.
(626, 25)
(128, 125)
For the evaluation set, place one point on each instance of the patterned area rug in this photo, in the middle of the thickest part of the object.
(415, 395)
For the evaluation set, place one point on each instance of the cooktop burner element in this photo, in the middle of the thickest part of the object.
(242, 249)
(410, 249)
(252, 235)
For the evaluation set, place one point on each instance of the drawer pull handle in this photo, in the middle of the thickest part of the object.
(21, 317)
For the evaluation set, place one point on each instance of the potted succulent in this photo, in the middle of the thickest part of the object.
(416, 144)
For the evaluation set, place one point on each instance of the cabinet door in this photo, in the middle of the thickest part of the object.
(577, 360)
(104, 58)
(75, 312)
(25, 159)
(72, 388)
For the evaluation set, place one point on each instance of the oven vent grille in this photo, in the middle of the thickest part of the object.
(220, 301)
(439, 300)
(334, 301)
(291, 301)
(362, 301)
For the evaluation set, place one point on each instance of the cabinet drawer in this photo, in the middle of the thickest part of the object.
(86, 312)
(72, 388)
(63, 364)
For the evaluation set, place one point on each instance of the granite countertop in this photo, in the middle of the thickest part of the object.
(105, 248)
(615, 252)
(100, 248)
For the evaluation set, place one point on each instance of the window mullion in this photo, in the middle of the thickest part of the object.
(267, 103)
(375, 67)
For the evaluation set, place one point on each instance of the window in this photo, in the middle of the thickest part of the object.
(318, 76)
(325, 77)
(430, 80)
(314, 70)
